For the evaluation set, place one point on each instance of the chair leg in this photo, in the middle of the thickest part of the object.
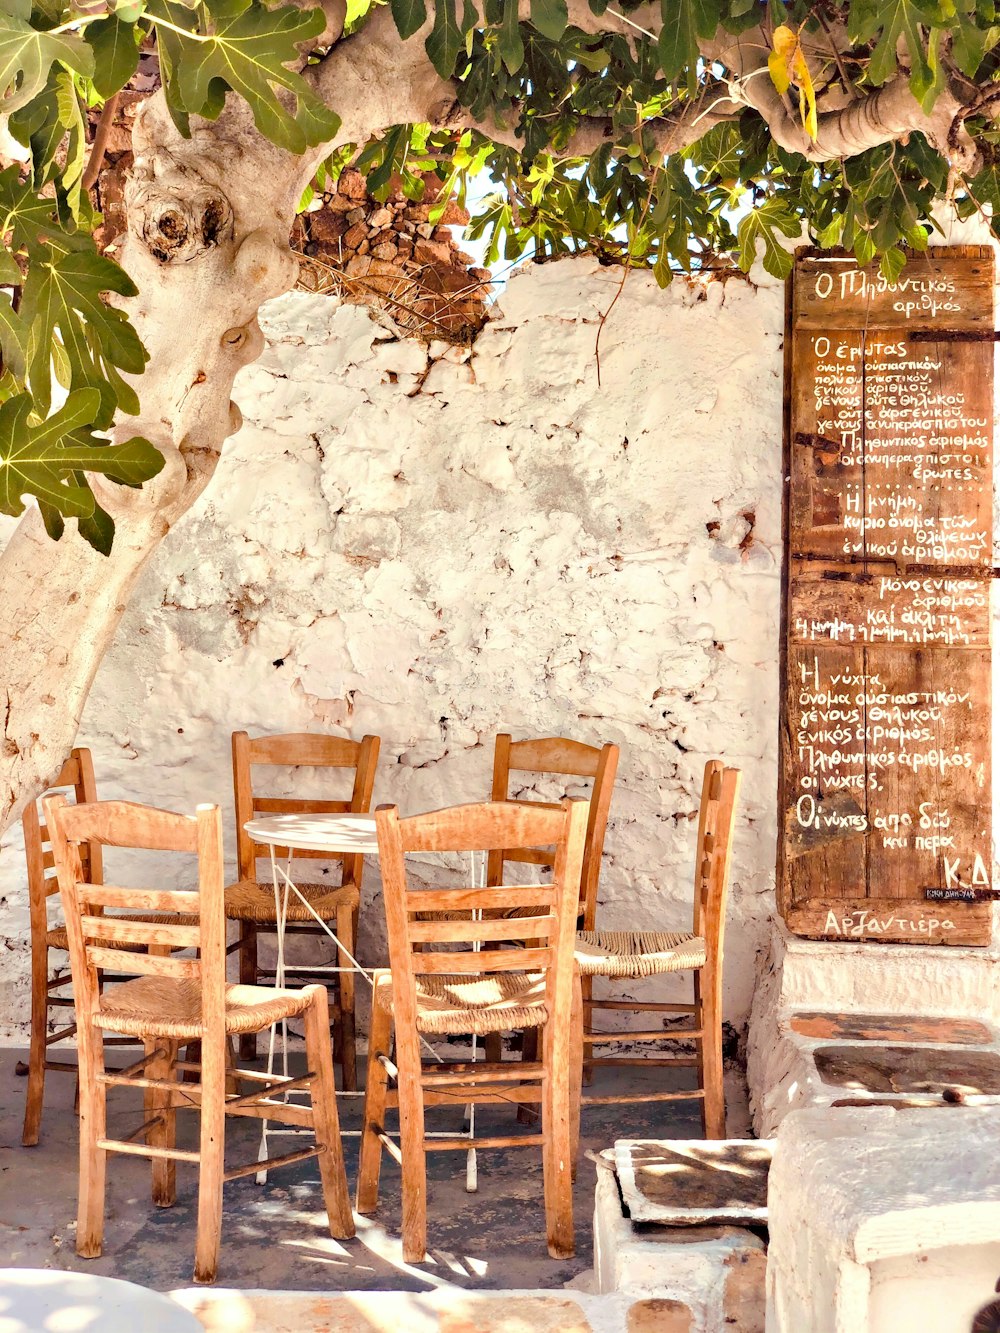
(348, 1047)
(494, 1047)
(414, 1166)
(248, 977)
(710, 1060)
(557, 1154)
(575, 1072)
(326, 1124)
(373, 1118)
(587, 990)
(93, 1160)
(35, 1092)
(160, 1104)
(211, 1158)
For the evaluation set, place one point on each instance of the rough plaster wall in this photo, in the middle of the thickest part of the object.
(435, 550)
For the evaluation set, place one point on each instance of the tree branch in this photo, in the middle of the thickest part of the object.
(873, 118)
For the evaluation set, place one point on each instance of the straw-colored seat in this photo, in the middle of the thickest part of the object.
(250, 901)
(166, 1007)
(632, 955)
(443, 983)
(637, 953)
(496, 1002)
(178, 999)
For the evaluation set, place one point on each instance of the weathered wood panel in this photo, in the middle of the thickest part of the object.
(885, 754)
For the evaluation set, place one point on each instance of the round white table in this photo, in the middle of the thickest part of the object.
(32, 1299)
(336, 834)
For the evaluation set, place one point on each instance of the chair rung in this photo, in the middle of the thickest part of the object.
(265, 1090)
(629, 1098)
(639, 1061)
(61, 1066)
(59, 1034)
(650, 1008)
(513, 1072)
(286, 1159)
(390, 1145)
(145, 1150)
(601, 1038)
(146, 1125)
(462, 1144)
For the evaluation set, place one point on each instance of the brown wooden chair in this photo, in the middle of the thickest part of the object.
(432, 989)
(251, 900)
(176, 1000)
(554, 756)
(51, 988)
(629, 955)
(51, 983)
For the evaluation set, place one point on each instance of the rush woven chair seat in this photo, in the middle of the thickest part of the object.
(251, 901)
(442, 982)
(162, 1006)
(499, 1002)
(637, 953)
(179, 999)
(632, 955)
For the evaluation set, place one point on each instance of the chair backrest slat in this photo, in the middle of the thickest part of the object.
(300, 750)
(511, 896)
(478, 932)
(90, 932)
(97, 928)
(558, 756)
(110, 960)
(151, 900)
(459, 962)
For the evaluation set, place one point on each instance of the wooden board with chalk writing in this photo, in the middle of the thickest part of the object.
(885, 788)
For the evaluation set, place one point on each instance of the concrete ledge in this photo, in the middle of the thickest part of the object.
(882, 1220)
(718, 1272)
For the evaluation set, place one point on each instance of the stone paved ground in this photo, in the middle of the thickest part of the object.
(273, 1236)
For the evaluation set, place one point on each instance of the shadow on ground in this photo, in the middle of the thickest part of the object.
(274, 1235)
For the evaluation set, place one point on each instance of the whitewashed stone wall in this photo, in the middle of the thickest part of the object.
(439, 547)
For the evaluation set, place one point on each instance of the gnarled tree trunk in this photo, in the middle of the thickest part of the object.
(207, 243)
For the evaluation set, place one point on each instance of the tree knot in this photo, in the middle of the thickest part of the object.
(174, 212)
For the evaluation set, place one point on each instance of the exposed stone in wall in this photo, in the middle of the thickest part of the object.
(438, 543)
(394, 256)
(399, 256)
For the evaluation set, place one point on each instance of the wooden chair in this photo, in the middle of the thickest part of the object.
(629, 955)
(51, 991)
(431, 989)
(51, 986)
(251, 901)
(176, 1000)
(555, 756)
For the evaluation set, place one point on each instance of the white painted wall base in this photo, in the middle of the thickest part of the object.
(883, 1220)
(796, 974)
(710, 1269)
